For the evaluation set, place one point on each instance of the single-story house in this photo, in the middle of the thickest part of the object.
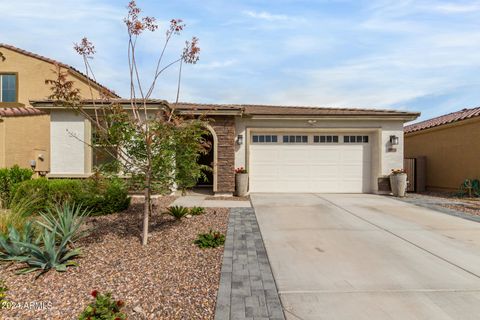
(450, 145)
(284, 149)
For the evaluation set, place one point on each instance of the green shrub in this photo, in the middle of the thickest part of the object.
(103, 308)
(100, 196)
(195, 211)
(105, 196)
(8, 178)
(178, 212)
(211, 239)
(17, 215)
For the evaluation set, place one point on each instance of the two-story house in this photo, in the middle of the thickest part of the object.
(24, 130)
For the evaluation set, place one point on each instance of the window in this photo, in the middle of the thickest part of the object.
(102, 154)
(264, 138)
(325, 139)
(355, 139)
(295, 139)
(8, 88)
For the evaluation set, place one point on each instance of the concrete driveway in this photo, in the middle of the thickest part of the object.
(369, 257)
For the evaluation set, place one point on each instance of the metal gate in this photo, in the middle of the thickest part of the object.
(409, 164)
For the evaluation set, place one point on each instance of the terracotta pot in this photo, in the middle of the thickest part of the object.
(241, 184)
(398, 183)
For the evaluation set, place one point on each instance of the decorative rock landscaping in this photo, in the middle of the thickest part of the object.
(171, 278)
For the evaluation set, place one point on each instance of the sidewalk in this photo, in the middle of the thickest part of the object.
(200, 201)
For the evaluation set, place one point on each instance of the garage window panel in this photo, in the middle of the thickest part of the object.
(295, 139)
(325, 139)
(264, 138)
(355, 139)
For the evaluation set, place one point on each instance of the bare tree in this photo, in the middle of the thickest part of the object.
(154, 147)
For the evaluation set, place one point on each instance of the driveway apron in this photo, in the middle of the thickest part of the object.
(361, 256)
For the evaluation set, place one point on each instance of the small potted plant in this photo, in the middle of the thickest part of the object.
(241, 181)
(398, 182)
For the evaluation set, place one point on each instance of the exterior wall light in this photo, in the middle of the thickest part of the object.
(394, 140)
(33, 164)
(239, 139)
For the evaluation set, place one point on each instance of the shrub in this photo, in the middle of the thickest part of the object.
(100, 197)
(178, 212)
(66, 221)
(8, 178)
(211, 239)
(17, 215)
(195, 211)
(103, 308)
(105, 196)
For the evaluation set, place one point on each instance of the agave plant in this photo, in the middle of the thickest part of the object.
(66, 220)
(178, 212)
(49, 255)
(195, 211)
(13, 245)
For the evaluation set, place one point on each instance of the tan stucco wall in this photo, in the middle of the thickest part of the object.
(2, 143)
(32, 74)
(24, 135)
(21, 136)
(452, 153)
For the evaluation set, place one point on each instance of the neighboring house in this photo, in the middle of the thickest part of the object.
(451, 146)
(285, 149)
(24, 131)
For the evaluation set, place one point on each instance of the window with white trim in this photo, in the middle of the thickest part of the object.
(355, 139)
(264, 138)
(295, 139)
(325, 139)
(8, 87)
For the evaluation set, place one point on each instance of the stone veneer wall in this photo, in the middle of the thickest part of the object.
(224, 127)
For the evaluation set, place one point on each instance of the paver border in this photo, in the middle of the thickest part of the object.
(247, 288)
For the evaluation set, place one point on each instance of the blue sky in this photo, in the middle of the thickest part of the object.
(411, 55)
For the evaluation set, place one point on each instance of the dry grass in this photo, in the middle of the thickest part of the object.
(171, 278)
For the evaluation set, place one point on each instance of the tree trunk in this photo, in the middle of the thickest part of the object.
(146, 209)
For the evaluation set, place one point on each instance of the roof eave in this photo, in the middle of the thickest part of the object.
(405, 118)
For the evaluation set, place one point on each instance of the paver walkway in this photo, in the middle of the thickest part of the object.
(247, 288)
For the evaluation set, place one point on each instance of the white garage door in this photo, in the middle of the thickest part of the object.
(333, 163)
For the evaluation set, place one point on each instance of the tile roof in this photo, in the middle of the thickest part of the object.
(66, 66)
(256, 110)
(445, 119)
(266, 110)
(19, 112)
(327, 111)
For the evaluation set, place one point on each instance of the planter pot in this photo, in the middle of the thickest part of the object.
(241, 184)
(398, 183)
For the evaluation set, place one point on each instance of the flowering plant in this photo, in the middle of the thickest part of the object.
(240, 170)
(398, 171)
(3, 293)
(104, 307)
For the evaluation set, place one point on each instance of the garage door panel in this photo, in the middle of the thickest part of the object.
(310, 168)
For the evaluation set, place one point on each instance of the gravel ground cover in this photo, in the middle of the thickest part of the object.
(171, 278)
(451, 201)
